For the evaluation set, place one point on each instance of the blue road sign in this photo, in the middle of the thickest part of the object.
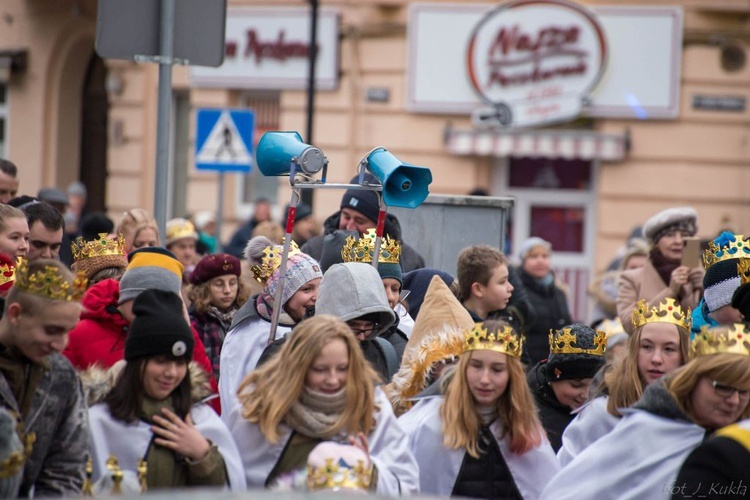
(224, 140)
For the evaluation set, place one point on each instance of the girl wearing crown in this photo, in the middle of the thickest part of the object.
(482, 439)
(280, 415)
(659, 345)
(641, 456)
(249, 332)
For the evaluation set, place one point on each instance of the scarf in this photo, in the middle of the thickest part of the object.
(265, 310)
(225, 318)
(546, 281)
(663, 265)
(315, 413)
(487, 414)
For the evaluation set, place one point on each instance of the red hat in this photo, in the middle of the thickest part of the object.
(7, 272)
(213, 266)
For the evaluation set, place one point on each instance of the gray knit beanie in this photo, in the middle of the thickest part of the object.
(150, 268)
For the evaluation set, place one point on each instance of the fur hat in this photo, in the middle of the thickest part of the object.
(678, 218)
(150, 268)
(722, 278)
(363, 201)
(300, 268)
(438, 335)
(159, 327)
(565, 366)
(213, 266)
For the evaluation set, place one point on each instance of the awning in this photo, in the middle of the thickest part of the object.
(566, 144)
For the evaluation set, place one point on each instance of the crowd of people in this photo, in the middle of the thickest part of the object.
(153, 362)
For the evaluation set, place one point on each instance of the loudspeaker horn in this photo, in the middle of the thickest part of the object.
(278, 150)
(404, 185)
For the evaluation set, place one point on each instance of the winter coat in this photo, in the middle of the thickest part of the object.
(550, 306)
(440, 468)
(129, 442)
(57, 417)
(212, 332)
(638, 460)
(410, 258)
(591, 422)
(99, 337)
(389, 450)
(645, 283)
(554, 415)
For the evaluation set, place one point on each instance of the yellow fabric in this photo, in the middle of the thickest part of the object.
(150, 259)
(737, 433)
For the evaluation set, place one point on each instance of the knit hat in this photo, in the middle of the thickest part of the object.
(363, 201)
(265, 260)
(528, 244)
(438, 335)
(159, 327)
(417, 282)
(564, 363)
(7, 272)
(179, 229)
(722, 278)
(332, 244)
(671, 219)
(213, 266)
(150, 268)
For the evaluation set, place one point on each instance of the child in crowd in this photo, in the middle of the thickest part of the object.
(483, 278)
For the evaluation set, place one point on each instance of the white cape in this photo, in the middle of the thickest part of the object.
(389, 450)
(129, 442)
(439, 466)
(592, 422)
(639, 459)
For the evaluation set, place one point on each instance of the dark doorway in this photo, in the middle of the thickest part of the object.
(94, 135)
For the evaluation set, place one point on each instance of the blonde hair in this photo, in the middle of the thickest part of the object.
(200, 295)
(133, 222)
(725, 368)
(268, 393)
(516, 410)
(8, 212)
(624, 382)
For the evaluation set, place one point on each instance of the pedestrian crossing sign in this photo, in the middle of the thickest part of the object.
(224, 140)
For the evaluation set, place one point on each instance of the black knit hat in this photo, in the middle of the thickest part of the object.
(363, 201)
(567, 366)
(159, 327)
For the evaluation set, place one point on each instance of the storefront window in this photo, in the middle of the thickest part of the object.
(545, 173)
(562, 226)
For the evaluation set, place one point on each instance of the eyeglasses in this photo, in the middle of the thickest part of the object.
(726, 391)
(364, 330)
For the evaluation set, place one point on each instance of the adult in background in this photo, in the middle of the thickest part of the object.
(663, 276)
(58, 199)
(241, 237)
(359, 212)
(548, 300)
(8, 180)
(305, 225)
(139, 229)
(46, 232)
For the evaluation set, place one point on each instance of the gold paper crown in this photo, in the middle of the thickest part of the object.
(743, 269)
(7, 274)
(178, 229)
(105, 245)
(737, 249)
(339, 476)
(362, 249)
(271, 261)
(50, 283)
(723, 339)
(668, 311)
(504, 340)
(561, 342)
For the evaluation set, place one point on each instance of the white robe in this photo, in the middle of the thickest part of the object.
(439, 466)
(129, 442)
(639, 459)
(240, 353)
(389, 450)
(592, 422)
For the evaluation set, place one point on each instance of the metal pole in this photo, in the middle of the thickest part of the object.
(166, 49)
(289, 227)
(219, 211)
(307, 194)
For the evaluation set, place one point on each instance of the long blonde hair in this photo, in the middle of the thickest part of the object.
(516, 410)
(268, 393)
(726, 368)
(623, 380)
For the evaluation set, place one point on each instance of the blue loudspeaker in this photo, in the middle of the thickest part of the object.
(404, 185)
(278, 150)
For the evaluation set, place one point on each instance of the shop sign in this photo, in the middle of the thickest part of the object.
(719, 103)
(269, 48)
(534, 62)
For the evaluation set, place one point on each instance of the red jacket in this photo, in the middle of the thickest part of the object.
(99, 336)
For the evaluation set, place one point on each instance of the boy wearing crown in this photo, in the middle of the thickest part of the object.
(38, 383)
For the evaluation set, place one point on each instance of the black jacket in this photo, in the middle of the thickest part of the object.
(551, 309)
(554, 415)
(410, 258)
(487, 476)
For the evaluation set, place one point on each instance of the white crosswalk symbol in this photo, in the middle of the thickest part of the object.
(224, 144)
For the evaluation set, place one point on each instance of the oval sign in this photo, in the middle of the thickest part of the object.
(540, 58)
